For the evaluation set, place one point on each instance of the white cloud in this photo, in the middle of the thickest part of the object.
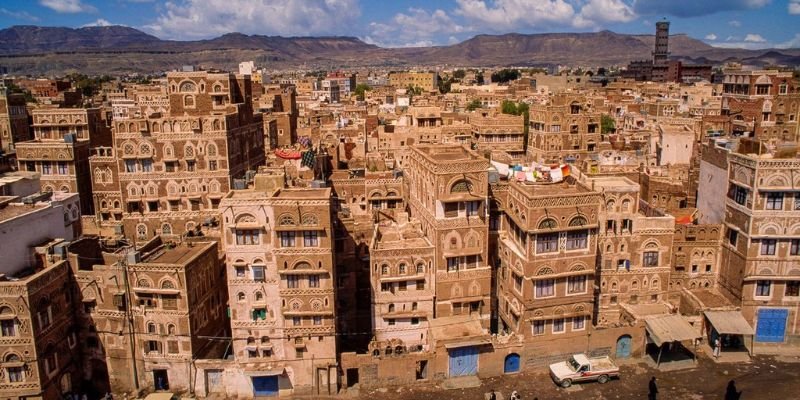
(99, 22)
(192, 19)
(67, 6)
(596, 12)
(734, 23)
(792, 43)
(23, 15)
(711, 36)
(794, 7)
(415, 28)
(754, 38)
(507, 15)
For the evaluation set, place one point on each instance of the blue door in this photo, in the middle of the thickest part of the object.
(512, 363)
(464, 361)
(771, 324)
(265, 385)
(624, 346)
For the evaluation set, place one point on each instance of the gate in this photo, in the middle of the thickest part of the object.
(771, 325)
(624, 346)
(265, 386)
(512, 363)
(464, 361)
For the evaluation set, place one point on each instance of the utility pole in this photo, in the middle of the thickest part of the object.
(123, 263)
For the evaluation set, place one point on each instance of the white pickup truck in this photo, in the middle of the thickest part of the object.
(579, 368)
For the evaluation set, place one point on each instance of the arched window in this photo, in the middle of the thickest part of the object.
(211, 150)
(384, 269)
(166, 229)
(188, 101)
(548, 223)
(259, 296)
(462, 186)
(402, 269)
(286, 220)
(240, 296)
(167, 284)
(577, 221)
(141, 231)
(187, 87)
(420, 268)
(414, 306)
(171, 329)
(151, 328)
(391, 308)
(310, 219)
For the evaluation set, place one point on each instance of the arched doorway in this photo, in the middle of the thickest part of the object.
(512, 364)
(624, 346)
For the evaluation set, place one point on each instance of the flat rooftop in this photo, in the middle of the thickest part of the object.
(549, 189)
(393, 236)
(180, 254)
(14, 210)
(292, 193)
(447, 153)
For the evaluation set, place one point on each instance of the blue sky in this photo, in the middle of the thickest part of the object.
(732, 23)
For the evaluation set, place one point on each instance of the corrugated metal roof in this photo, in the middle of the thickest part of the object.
(670, 328)
(729, 322)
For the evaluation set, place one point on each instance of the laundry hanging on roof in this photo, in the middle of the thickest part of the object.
(309, 158)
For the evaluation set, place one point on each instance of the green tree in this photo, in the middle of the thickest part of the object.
(445, 84)
(505, 75)
(361, 89)
(479, 78)
(474, 105)
(508, 107)
(459, 74)
(607, 124)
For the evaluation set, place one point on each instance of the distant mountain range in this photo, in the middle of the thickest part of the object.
(119, 49)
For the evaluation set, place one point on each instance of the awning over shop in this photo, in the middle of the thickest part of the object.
(468, 343)
(670, 328)
(729, 322)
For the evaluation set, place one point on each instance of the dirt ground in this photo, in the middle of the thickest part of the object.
(764, 378)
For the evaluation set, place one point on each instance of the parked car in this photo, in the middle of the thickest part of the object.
(580, 368)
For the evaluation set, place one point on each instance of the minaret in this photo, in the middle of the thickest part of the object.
(661, 51)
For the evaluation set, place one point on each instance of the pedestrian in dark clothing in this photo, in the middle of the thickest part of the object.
(731, 393)
(492, 396)
(652, 389)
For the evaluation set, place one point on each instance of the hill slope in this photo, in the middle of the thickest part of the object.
(118, 49)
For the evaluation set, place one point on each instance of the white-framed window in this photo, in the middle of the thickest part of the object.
(258, 273)
(578, 323)
(537, 328)
(287, 239)
(310, 238)
(558, 325)
(576, 284)
(545, 288)
(547, 243)
(517, 283)
(768, 247)
(763, 288)
(774, 201)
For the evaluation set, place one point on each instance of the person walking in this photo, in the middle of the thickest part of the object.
(717, 347)
(731, 393)
(652, 389)
(492, 396)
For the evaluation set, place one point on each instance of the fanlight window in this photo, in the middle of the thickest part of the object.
(167, 285)
(286, 220)
(549, 223)
(462, 186)
(187, 87)
(577, 221)
(310, 219)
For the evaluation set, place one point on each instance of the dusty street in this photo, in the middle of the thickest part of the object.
(764, 378)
